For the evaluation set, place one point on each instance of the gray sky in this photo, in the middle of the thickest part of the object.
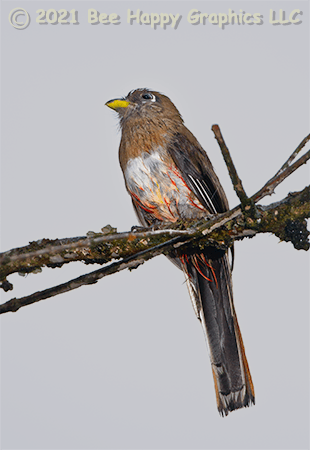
(123, 363)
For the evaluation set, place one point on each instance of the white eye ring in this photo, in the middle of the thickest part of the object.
(149, 96)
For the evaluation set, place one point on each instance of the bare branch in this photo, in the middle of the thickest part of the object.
(270, 186)
(280, 176)
(294, 154)
(236, 181)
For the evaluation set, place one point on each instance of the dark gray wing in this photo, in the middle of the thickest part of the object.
(198, 173)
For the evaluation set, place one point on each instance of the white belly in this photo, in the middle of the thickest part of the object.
(160, 188)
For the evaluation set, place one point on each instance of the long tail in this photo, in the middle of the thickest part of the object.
(210, 287)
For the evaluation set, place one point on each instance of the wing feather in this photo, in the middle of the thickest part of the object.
(197, 170)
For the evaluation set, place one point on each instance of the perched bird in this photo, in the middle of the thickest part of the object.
(170, 177)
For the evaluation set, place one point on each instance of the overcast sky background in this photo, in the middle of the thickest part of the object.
(123, 363)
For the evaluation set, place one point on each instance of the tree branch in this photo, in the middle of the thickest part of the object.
(285, 219)
(270, 186)
(94, 248)
(132, 262)
(221, 233)
(236, 181)
(294, 154)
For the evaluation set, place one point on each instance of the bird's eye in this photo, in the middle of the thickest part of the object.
(149, 96)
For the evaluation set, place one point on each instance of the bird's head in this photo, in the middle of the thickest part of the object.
(145, 104)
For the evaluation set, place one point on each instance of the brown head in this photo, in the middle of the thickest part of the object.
(148, 119)
(147, 106)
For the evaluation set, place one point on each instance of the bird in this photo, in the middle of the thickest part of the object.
(169, 177)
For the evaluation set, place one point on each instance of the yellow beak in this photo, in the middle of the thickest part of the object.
(117, 103)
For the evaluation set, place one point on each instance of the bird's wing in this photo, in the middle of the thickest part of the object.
(197, 171)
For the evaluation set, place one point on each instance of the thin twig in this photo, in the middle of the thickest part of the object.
(236, 181)
(270, 186)
(294, 154)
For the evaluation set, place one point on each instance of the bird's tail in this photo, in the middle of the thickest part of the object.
(209, 283)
